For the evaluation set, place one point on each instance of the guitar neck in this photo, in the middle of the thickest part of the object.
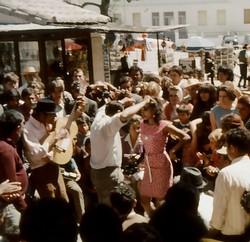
(71, 117)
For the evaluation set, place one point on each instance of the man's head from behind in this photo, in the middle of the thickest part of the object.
(123, 199)
(113, 107)
(238, 142)
(48, 219)
(11, 122)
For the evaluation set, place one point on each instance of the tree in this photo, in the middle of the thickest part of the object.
(104, 6)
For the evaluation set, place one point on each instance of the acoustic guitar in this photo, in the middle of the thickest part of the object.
(63, 148)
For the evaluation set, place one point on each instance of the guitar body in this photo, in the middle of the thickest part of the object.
(63, 149)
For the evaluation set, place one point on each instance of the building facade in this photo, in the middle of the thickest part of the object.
(210, 19)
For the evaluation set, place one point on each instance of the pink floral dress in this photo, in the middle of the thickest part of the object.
(158, 175)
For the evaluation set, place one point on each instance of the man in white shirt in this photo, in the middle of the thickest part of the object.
(45, 176)
(106, 149)
(229, 219)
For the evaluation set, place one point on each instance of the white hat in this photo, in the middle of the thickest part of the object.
(29, 69)
(222, 150)
(192, 82)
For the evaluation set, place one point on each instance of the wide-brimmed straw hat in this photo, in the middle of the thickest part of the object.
(192, 82)
(29, 69)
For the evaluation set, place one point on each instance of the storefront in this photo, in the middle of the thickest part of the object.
(52, 51)
(53, 37)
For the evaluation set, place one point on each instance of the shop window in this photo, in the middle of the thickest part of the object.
(76, 52)
(29, 55)
(7, 61)
(54, 59)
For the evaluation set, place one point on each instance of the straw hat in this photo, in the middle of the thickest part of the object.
(192, 82)
(29, 69)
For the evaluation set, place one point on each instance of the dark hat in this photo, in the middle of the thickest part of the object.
(46, 105)
(193, 176)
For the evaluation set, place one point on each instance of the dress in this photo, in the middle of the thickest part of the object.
(158, 175)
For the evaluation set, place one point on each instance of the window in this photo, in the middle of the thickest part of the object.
(221, 17)
(168, 18)
(7, 60)
(202, 17)
(155, 19)
(246, 16)
(182, 20)
(54, 58)
(137, 19)
(182, 17)
(29, 55)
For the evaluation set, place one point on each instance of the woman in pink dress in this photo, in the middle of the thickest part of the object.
(158, 175)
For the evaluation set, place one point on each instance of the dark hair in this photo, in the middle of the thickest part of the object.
(10, 77)
(136, 68)
(100, 223)
(11, 94)
(151, 77)
(208, 88)
(180, 207)
(122, 198)
(230, 121)
(244, 100)
(9, 121)
(239, 138)
(183, 108)
(57, 83)
(141, 232)
(229, 90)
(177, 69)
(48, 219)
(125, 79)
(112, 108)
(26, 92)
(84, 118)
(135, 119)
(156, 107)
(227, 71)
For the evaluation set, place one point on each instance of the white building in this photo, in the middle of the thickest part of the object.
(207, 18)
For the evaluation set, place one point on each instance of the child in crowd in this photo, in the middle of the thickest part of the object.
(28, 98)
(82, 157)
(186, 154)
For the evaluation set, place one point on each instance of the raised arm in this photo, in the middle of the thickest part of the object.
(130, 111)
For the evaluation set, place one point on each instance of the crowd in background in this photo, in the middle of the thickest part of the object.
(152, 157)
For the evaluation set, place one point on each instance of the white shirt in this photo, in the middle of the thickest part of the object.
(106, 148)
(205, 208)
(228, 214)
(35, 152)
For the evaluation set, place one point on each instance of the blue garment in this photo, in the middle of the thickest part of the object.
(220, 112)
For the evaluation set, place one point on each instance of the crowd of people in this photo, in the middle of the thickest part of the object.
(154, 157)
